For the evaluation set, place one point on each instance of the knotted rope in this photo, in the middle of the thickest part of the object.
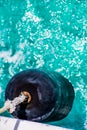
(10, 105)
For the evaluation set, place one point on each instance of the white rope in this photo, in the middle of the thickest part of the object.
(11, 105)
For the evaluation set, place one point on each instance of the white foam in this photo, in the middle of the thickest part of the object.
(79, 45)
(6, 55)
(31, 16)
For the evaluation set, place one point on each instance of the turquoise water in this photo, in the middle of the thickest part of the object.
(48, 34)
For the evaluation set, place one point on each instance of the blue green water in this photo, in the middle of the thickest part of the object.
(48, 34)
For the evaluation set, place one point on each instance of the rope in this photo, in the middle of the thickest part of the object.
(11, 104)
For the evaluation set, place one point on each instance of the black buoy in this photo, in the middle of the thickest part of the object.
(51, 95)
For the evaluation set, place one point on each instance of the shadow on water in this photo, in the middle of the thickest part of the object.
(76, 118)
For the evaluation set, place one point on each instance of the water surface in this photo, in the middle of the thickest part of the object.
(48, 34)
